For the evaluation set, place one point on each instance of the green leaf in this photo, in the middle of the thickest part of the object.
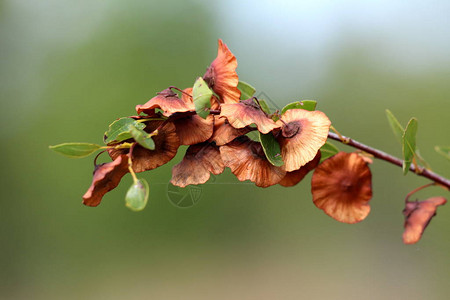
(305, 104)
(409, 144)
(444, 151)
(271, 149)
(253, 135)
(264, 106)
(309, 104)
(143, 138)
(137, 195)
(396, 127)
(201, 95)
(119, 130)
(247, 91)
(328, 150)
(75, 150)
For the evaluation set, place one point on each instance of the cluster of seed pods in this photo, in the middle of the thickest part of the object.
(218, 136)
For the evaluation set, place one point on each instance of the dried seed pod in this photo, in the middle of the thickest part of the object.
(199, 161)
(342, 187)
(168, 102)
(247, 112)
(418, 215)
(221, 75)
(166, 146)
(106, 178)
(303, 133)
(247, 161)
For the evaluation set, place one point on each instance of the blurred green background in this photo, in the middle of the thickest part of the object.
(69, 68)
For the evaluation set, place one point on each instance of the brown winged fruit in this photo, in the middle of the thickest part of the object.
(342, 187)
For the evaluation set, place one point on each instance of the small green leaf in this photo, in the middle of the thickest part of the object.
(328, 150)
(409, 144)
(264, 106)
(75, 150)
(271, 149)
(305, 104)
(444, 151)
(247, 91)
(137, 195)
(143, 138)
(119, 130)
(201, 95)
(253, 135)
(396, 127)
(309, 104)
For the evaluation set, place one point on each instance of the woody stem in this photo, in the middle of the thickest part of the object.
(391, 159)
(180, 90)
(96, 157)
(130, 164)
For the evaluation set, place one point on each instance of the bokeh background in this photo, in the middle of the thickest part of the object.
(69, 68)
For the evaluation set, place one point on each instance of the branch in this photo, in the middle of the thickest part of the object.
(391, 159)
(376, 153)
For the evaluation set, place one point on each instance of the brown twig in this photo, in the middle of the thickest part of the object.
(391, 159)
